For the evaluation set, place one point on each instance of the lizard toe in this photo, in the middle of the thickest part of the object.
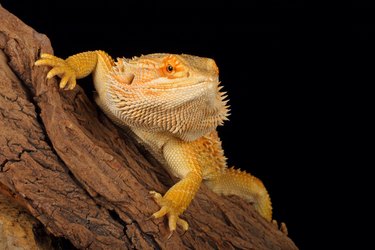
(168, 208)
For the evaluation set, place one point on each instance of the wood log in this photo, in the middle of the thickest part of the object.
(84, 179)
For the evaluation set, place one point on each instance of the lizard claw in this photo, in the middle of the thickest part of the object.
(167, 208)
(149, 218)
(60, 68)
(170, 235)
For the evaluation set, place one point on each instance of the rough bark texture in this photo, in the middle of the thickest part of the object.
(17, 228)
(85, 180)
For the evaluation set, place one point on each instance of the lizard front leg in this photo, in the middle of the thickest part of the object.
(182, 161)
(74, 67)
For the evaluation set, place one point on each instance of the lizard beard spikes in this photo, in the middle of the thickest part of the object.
(187, 108)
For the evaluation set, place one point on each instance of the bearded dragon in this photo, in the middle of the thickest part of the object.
(174, 104)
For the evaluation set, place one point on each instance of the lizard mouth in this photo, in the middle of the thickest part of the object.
(164, 83)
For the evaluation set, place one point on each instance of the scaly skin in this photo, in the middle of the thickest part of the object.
(173, 104)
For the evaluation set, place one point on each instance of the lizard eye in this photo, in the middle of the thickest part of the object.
(169, 68)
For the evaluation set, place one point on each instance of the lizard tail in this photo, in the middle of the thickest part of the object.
(236, 182)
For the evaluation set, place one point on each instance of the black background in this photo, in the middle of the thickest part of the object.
(265, 66)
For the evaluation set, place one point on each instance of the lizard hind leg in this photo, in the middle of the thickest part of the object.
(235, 182)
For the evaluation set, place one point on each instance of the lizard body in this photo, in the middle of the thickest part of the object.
(173, 103)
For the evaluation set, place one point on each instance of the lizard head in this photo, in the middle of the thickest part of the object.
(178, 94)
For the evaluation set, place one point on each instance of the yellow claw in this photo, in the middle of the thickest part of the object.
(72, 83)
(183, 224)
(55, 71)
(167, 208)
(163, 211)
(50, 61)
(64, 81)
(59, 68)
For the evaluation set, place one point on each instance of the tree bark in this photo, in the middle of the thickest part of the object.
(84, 179)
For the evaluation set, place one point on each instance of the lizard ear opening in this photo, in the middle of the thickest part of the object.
(124, 78)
